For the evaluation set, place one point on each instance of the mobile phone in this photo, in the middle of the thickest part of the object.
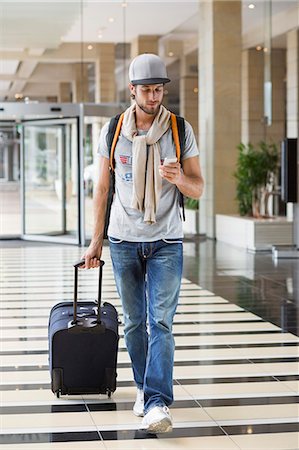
(168, 161)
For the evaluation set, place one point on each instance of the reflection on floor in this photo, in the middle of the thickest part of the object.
(236, 362)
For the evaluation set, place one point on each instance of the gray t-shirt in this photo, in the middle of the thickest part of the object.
(127, 223)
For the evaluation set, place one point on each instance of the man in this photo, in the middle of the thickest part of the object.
(145, 233)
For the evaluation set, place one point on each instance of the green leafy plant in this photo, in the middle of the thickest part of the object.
(191, 203)
(257, 169)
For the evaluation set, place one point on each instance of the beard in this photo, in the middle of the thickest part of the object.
(151, 110)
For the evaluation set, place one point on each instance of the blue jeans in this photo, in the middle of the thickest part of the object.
(148, 279)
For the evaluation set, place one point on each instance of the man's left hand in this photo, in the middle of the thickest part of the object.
(172, 172)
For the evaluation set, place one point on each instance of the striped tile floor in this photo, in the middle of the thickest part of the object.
(235, 375)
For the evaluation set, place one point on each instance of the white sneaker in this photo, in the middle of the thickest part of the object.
(139, 403)
(157, 420)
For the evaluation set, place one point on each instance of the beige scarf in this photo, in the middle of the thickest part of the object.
(147, 182)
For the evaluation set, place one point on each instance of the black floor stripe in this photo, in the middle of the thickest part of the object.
(263, 345)
(245, 379)
(203, 362)
(274, 360)
(103, 406)
(30, 308)
(200, 431)
(178, 347)
(127, 406)
(38, 438)
(215, 362)
(23, 368)
(25, 339)
(44, 409)
(120, 313)
(261, 428)
(179, 381)
(176, 335)
(24, 352)
(61, 292)
(197, 322)
(65, 291)
(35, 438)
(287, 377)
(176, 433)
(29, 327)
(283, 400)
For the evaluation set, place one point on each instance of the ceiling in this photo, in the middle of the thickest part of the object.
(45, 24)
(37, 27)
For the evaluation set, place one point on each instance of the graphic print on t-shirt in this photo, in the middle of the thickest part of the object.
(127, 177)
(125, 159)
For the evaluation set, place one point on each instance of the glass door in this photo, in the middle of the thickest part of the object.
(50, 180)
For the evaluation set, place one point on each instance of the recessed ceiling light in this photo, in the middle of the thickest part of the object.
(251, 6)
(90, 47)
(100, 35)
(170, 53)
(111, 19)
(258, 48)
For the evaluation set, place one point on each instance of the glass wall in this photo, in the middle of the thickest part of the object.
(10, 205)
(50, 154)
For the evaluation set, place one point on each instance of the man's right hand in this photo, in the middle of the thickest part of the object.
(92, 256)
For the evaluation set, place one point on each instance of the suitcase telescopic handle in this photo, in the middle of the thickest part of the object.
(76, 266)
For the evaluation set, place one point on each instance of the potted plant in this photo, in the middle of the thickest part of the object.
(256, 175)
(191, 224)
(254, 229)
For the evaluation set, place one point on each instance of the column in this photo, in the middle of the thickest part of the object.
(65, 93)
(80, 85)
(189, 89)
(254, 128)
(144, 44)
(292, 83)
(105, 89)
(220, 42)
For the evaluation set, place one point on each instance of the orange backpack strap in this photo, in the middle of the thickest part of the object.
(175, 135)
(178, 134)
(115, 139)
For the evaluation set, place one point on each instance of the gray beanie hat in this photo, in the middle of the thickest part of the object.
(148, 69)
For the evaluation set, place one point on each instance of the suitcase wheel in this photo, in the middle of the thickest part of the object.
(109, 394)
(56, 384)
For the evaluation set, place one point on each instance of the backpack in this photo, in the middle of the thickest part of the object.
(178, 133)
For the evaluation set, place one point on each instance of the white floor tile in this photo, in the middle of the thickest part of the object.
(80, 445)
(255, 414)
(273, 441)
(189, 443)
(239, 390)
(34, 423)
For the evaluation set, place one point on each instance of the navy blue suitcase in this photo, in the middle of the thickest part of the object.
(83, 345)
